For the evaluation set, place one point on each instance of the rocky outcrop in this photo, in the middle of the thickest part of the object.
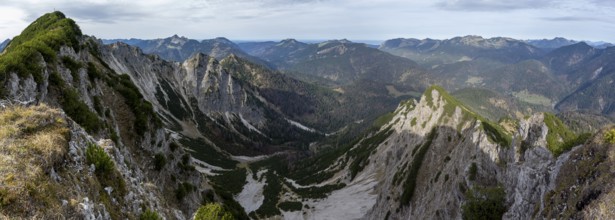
(81, 191)
(584, 188)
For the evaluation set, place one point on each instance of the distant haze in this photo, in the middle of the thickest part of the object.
(356, 20)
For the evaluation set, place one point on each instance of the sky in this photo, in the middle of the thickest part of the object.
(591, 20)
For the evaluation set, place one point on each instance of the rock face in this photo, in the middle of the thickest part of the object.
(203, 94)
(200, 78)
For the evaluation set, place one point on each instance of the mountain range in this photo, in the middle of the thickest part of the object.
(177, 128)
(177, 48)
(557, 77)
(560, 42)
(338, 61)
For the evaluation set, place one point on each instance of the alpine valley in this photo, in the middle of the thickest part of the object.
(177, 128)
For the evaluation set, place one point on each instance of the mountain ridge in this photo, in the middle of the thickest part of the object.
(176, 48)
(337, 61)
(112, 135)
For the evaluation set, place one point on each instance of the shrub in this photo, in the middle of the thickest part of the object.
(417, 161)
(173, 146)
(484, 203)
(94, 154)
(183, 189)
(93, 73)
(272, 196)
(496, 133)
(231, 181)
(185, 164)
(73, 66)
(609, 136)
(229, 203)
(142, 109)
(366, 147)
(291, 206)
(212, 211)
(114, 137)
(316, 192)
(98, 105)
(472, 172)
(558, 135)
(149, 215)
(73, 106)
(580, 139)
(159, 161)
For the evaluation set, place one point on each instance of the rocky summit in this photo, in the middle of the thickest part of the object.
(178, 128)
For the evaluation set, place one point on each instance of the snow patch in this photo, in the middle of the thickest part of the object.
(596, 73)
(303, 127)
(248, 125)
(292, 215)
(206, 168)
(351, 202)
(299, 186)
(246, 159)
(251, 197)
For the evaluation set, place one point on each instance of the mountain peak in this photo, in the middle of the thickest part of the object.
(551, 43)
(579, 47)
(344, 41)
(582, 44)
(222, 39)
(65, 30)
(289, 41)
(177, 38)
(198, 56)
(231, 57)
(454, 111)
(560, 39)
(44, 36)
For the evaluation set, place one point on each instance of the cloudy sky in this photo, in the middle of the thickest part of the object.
(323, 19)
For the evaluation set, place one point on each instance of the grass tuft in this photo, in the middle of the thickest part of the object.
(32, 140)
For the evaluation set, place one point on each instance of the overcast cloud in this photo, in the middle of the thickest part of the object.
(323, 19)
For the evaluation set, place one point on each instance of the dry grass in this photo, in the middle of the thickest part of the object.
(604, 208)
(32, 140)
